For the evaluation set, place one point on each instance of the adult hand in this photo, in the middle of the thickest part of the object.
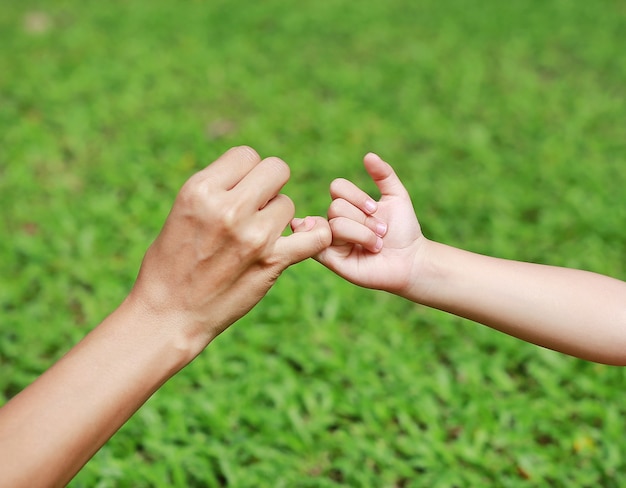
(219, 252)
(221, 247)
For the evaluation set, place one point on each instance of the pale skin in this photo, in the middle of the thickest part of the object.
(218, 253)
(380, 245)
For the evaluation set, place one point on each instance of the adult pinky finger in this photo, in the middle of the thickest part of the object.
(311, 236)
(349, 231)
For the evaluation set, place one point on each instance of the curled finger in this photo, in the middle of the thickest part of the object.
(342, 188)
(263, 182)
(277, 213)
(343, 208)
(346, 230)
(230, 168)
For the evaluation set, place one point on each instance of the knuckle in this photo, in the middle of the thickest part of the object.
(193, 192)
(336, 224)
(372, 239)
(337, 207)
(273, 263)
(286, 202)
(371, 223)
(337, 230)
(229, 218)
(324, 237)
(253, 240)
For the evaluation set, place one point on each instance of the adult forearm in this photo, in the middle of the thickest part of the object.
(572, 311)
(52, 428)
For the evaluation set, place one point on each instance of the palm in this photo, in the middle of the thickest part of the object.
(389, 269)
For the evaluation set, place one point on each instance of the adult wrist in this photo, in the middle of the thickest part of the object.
(166, 331)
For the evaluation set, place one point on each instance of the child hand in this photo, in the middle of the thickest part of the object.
(375, 244)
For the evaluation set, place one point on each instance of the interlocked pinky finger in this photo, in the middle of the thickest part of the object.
(342, 208)
(346, 231)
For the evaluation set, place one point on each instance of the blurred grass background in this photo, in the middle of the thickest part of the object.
(506, 122)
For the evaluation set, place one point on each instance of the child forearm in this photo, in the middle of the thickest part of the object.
(380, 245)
(572, 311)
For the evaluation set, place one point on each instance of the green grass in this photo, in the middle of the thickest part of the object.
(506, 122)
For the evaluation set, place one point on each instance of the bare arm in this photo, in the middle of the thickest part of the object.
(380, 245)
(219, 252)
(576, 312)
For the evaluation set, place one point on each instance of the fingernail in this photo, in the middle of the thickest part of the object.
(379, 245)
(303, 225)
(381, 229)
(370, 206)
